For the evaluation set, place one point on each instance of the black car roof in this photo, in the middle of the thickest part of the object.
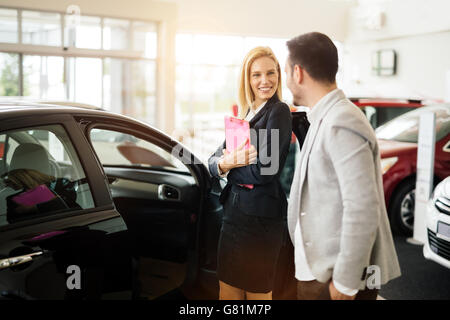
(8, 103)
(19, 108)
(15, 109)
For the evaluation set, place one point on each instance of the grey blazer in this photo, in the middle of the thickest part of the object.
(337, 194)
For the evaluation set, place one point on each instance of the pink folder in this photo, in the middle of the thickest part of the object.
(34, 196)
(236, 132)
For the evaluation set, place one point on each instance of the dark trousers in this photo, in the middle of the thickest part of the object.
(315, 290)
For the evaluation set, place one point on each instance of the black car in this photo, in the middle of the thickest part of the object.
(87, 217)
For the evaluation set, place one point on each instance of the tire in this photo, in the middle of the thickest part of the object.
(402, 209)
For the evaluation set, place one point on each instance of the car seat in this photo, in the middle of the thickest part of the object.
(31, 156)
(25, 156)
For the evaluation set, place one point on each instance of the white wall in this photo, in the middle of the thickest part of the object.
(419, 31)
(280, 18)
(163, 12)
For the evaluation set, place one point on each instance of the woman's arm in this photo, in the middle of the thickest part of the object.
(213, 161)
(220, 164)
(268, 163)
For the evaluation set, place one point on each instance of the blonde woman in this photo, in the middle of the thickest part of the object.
(254, 219)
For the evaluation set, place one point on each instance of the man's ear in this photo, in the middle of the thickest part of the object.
(298, 74)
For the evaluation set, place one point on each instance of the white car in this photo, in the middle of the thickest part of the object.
(437, 246)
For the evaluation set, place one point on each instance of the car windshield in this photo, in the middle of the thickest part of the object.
(405, 128)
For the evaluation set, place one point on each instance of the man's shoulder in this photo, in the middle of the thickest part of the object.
(344, 107)
(345, 115)
(344, 112)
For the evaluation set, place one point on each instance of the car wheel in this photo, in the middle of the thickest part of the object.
(402, 209)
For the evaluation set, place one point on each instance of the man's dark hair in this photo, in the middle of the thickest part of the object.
(315, 53)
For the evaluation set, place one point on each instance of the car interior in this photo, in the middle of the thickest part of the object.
(33, 183)
(159, 199)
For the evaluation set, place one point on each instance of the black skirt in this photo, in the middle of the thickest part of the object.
(248, 249)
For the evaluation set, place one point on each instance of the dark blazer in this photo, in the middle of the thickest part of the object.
(267, 198)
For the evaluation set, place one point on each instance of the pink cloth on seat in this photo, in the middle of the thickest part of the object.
(34, 196)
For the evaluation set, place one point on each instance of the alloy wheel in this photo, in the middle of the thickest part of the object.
(407, 209)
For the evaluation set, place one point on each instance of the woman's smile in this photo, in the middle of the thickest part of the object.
(265, 89)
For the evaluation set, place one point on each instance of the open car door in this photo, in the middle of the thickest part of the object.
(161, 191)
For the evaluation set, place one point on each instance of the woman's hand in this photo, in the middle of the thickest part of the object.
(238, 158)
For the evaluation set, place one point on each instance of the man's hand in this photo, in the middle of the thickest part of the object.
(336, 295)
(238, 158)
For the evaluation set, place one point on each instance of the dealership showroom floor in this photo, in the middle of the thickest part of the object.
(119, 126)
(421, 279)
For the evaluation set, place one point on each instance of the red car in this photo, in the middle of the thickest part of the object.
(398, 145)
(379, 111)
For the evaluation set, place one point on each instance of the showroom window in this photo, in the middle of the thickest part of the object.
(207, 82)
(102, 61)
(207, 75)
(41, 28)
(8, 26)
(9, 74)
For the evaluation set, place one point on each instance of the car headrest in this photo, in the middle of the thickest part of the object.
(31, 156)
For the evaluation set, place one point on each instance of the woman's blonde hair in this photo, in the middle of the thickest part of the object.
(246, 97)
(26, 179)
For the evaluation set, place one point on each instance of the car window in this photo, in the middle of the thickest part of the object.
(116, 148)
(378, 116)
(405, 128)
(41, 175)
(371, 114)
(384, 114)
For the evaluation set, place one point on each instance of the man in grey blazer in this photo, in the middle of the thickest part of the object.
(336, 215)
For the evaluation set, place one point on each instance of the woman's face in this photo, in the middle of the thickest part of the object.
(263, 79)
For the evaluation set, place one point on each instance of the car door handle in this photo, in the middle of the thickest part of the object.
(14, 261)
